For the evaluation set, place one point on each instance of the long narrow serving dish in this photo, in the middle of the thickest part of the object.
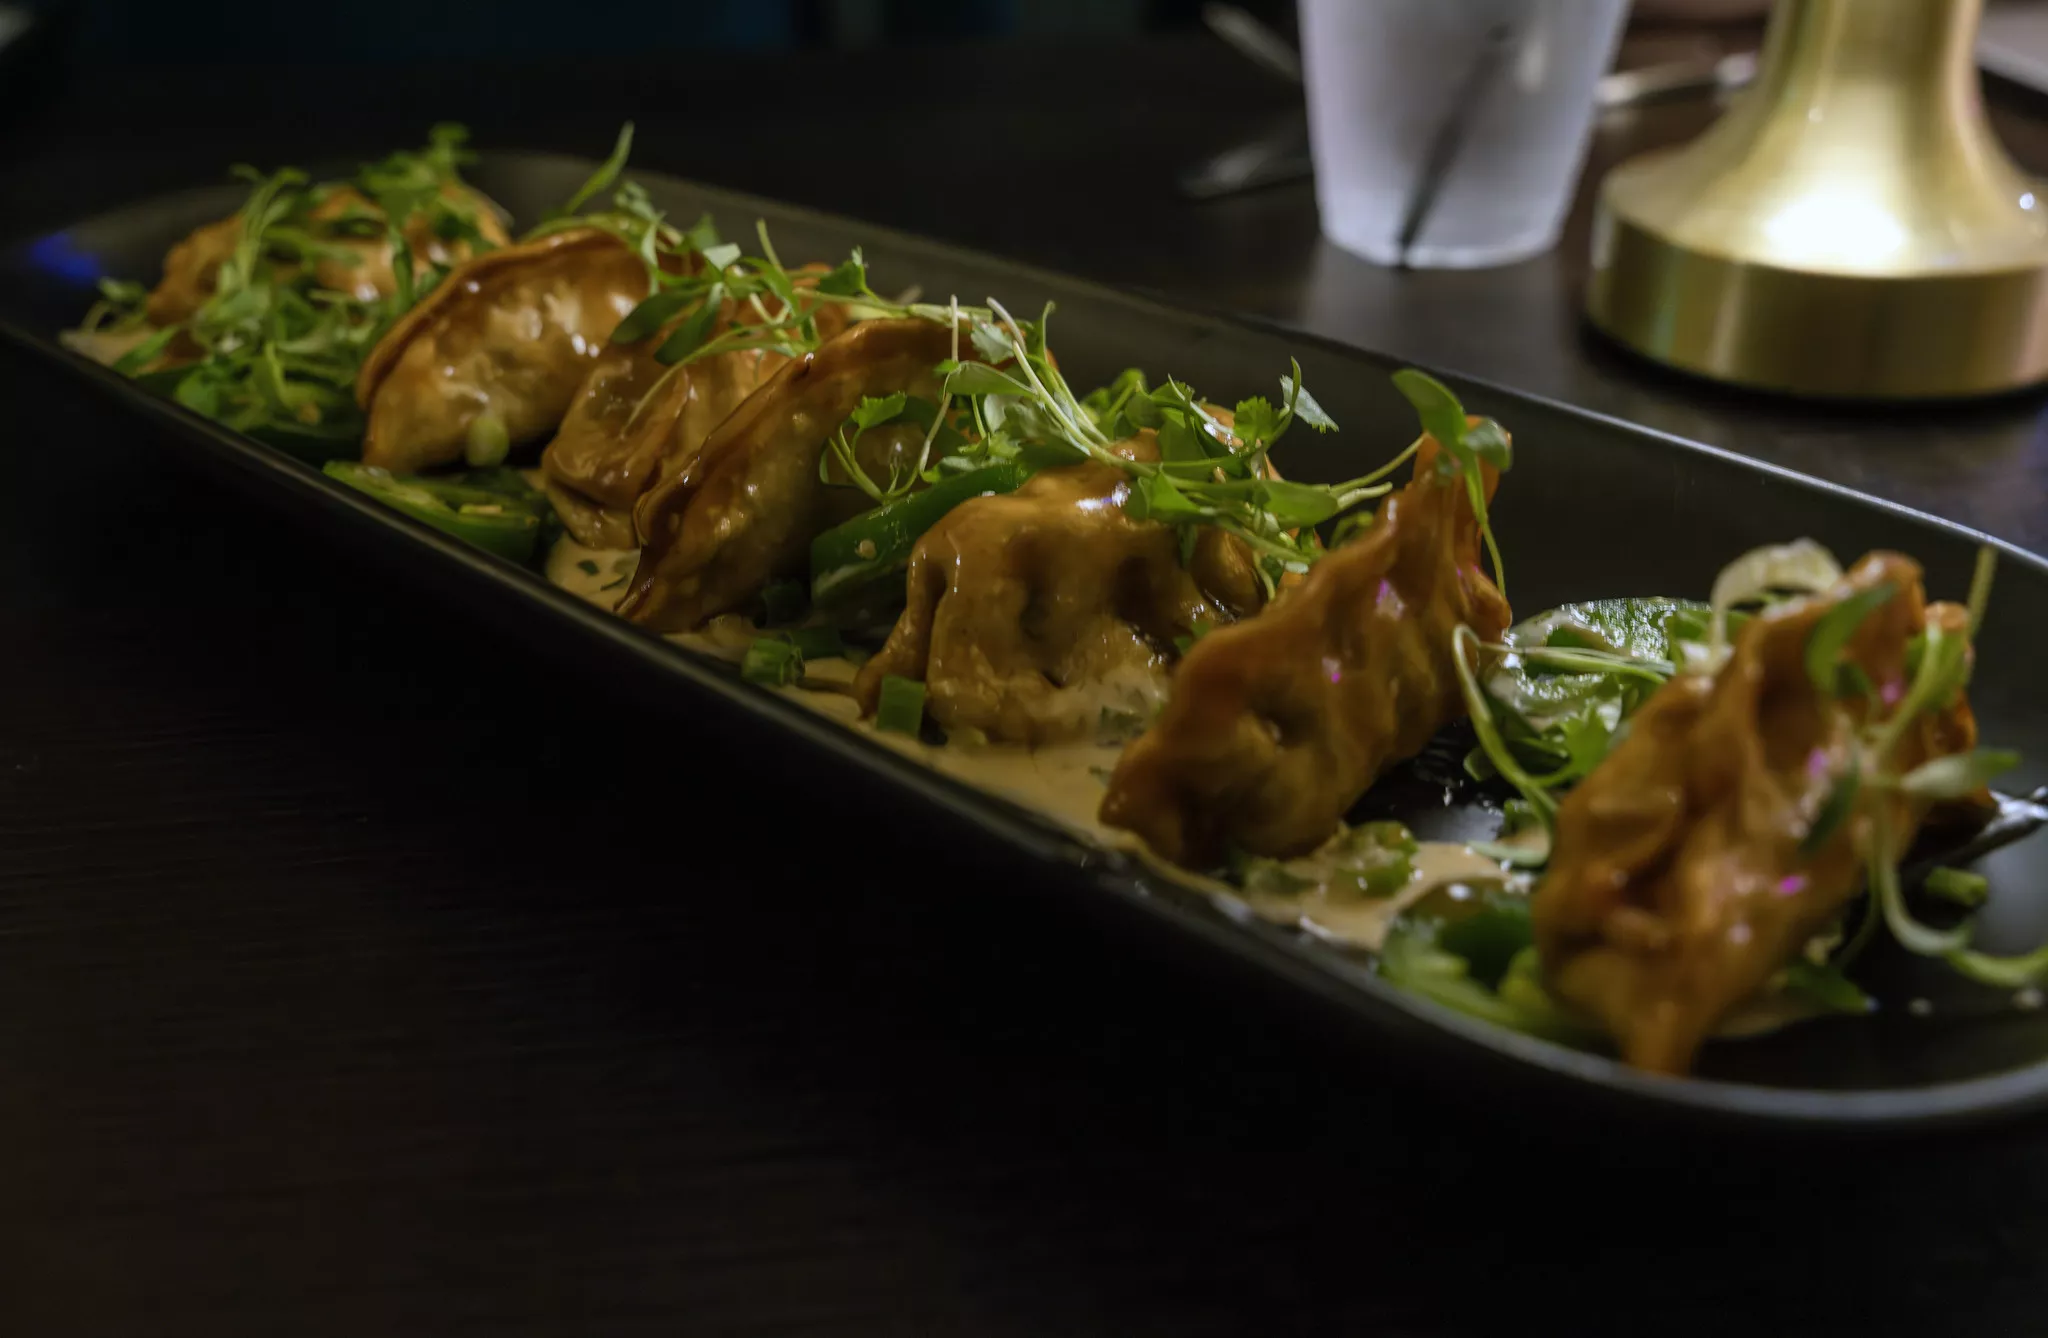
(1596, 509)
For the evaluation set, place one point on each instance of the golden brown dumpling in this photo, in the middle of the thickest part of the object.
(510, 334)
(1028, 613)
(190, 270)
(192, 267)
(634, 420)
(612, 440)
(372, 276)
(745, 508)
(1676, 885)
(1278, 724)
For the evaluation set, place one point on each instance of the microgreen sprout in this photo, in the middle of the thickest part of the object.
(273, 352)
(1938, 667)
(1466, 445)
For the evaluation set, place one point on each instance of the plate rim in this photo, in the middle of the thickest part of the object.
(1310, 969)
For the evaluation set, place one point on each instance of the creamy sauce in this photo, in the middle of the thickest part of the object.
(1347, 918)
(105, 347)
(1065, 782)
(596, 574)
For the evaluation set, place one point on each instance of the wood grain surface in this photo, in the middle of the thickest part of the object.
(363, 971)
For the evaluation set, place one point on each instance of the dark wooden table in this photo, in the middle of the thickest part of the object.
(363, 973)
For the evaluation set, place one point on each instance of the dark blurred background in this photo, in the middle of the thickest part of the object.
(402, 31)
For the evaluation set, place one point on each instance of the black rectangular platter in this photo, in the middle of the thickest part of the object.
(1593, 508)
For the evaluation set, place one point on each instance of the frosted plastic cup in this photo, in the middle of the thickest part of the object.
(1386, 76)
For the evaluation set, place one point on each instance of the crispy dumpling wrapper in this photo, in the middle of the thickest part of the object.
(510, 334)
(613, 438)
(745, 508)
(1278, 724)
(634, 421)
(1030, 613)
(192, 266)
(1677, 886)
(373, 275)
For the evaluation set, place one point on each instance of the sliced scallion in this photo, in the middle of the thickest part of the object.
(772, 662)
(901, 707)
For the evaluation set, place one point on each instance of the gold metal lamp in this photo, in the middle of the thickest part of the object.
(1848, 228)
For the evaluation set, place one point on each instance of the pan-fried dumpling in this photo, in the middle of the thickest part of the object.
(1677, 885)
(612, 440)
(1030, 613)
(510, 334)
(746, 507)
(190, 270)
(634, 421)
(1278, 724)
(372, 276)
(193, 265)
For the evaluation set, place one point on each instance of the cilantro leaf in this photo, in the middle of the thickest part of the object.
(991, 341)
(1156, 498)
(849, 279)
(1297, 505)
(1486, 440)
(1304, 404)
(978, 378)
(1257, 423)
(874, 412)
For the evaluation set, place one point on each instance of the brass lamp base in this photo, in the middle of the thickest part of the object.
(1849, 228)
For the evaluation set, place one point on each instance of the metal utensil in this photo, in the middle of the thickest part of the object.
(2018, 816)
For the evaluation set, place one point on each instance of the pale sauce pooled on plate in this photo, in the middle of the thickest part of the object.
(1065, 782)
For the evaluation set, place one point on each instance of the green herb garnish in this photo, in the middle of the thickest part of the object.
(1960, 886)
(901, 708)
(277, 353)
(772, 661)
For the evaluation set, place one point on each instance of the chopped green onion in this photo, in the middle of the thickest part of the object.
(1486, 926)
(901, 707)
(1374, 860)
(773, 662)
(1262, 876)
(1413, 961)
(488, 442)
(1518, 815)
(503, 522)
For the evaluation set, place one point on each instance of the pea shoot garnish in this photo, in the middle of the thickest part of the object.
(1569, 703)
(1002, 402)
(274, 347)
